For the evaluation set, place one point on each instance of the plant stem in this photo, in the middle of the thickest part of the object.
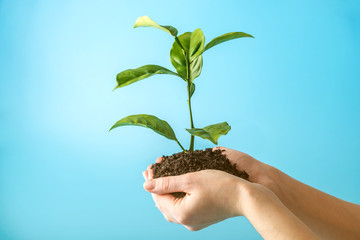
(181, 146)
(192, 139)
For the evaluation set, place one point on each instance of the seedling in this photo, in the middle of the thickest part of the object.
(186, 56)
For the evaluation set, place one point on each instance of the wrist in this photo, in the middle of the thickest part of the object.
(271, 178)
(256, 196)
(262, 180)
(270, 217)
(245, 194)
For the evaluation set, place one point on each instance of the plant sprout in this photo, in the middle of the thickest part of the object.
(186, 56)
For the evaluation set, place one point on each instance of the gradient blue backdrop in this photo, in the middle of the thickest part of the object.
(291, 96)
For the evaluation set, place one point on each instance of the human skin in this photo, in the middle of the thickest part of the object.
(327, 216)
(213, 196)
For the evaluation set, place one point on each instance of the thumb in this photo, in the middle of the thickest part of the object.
(166, 185)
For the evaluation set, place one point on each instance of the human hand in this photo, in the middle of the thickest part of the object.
(211, 196)
(243, 161)
(259, 172)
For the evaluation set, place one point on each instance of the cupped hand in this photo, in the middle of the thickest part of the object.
(211, 196)
(210, 193)
(259, 172)
(243, 161)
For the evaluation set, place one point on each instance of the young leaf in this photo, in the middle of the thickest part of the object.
(197, 42)
(130, 76)
(211, 132)
(192, 89)
(179, 58)
(145, 21)
(177, 55)
(226, 37)
(149, 121)
(195, 68)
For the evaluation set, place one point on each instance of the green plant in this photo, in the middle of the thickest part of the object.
(186, 57)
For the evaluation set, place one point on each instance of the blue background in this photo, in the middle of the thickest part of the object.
(291, 96)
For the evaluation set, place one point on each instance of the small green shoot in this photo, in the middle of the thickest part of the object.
(186, 55)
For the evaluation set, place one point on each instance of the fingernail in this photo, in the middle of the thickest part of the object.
(149, 185)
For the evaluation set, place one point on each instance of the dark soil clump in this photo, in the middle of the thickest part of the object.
(192, 161)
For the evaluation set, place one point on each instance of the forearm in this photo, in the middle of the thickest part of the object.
(327, 216)
(271, 218)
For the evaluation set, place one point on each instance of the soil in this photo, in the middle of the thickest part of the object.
(192, 161)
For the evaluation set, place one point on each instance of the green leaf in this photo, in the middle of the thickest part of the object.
(197, 42)
(179, 58)
(177, 55)
(226, 37)
(195, 68)
(145, 21)
(130, 76)
(211, 132)
(149, 121)
(192, 89)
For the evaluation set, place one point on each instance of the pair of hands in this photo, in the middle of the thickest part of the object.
(211, 196)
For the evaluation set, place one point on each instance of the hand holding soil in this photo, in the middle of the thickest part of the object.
(278, 206)
(213, 196)
(202, 206)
